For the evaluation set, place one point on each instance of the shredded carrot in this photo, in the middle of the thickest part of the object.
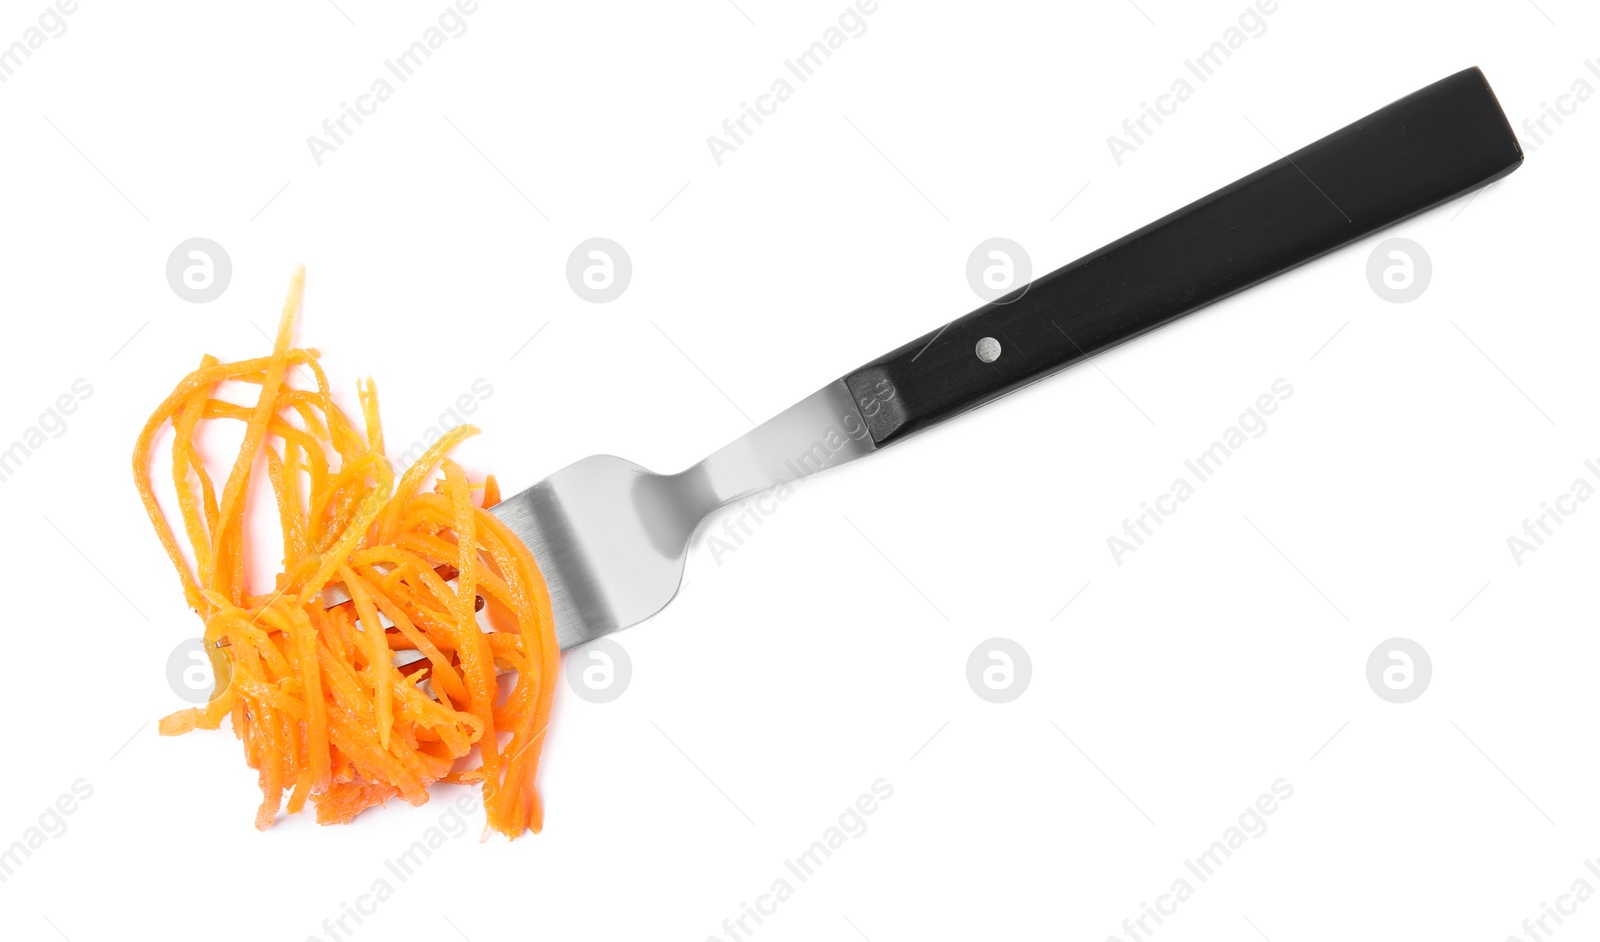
(313, 692)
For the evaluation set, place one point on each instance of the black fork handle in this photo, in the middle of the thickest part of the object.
(1423, 150)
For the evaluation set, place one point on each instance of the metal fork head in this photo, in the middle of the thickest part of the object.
(611, 537)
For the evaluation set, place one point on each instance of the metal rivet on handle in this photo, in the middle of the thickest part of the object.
(988, 349)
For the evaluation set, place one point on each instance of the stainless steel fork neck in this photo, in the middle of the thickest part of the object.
(819, 432)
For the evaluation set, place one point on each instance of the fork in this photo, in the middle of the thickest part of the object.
(611, 537)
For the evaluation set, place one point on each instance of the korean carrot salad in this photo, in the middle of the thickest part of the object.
(397, 685)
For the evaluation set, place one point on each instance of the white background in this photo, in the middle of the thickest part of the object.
(830, 650)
